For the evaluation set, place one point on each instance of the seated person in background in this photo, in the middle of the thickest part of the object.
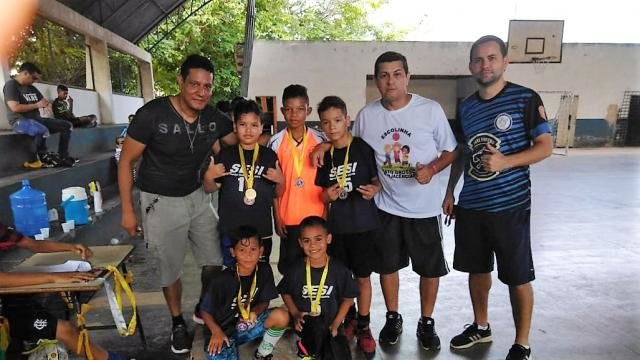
(24, 102)
(235, 306)
(63, 109)
(317, 290)
(27, 319)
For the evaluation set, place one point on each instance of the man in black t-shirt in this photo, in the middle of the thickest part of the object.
(24, 103)
(174, 135)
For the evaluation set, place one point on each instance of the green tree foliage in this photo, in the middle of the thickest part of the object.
(216, 29)
(58, 52)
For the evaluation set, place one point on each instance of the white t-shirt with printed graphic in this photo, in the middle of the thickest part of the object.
(400, 138)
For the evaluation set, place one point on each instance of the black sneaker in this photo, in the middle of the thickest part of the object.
(68, 161)
(427, 335)
(518, 352)
(180, 341)
(391, 330)
(257, 356)
(51, 159)
(471, 336)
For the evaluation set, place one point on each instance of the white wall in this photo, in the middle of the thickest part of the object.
(599, 73)
(123, 106)
(85, 102)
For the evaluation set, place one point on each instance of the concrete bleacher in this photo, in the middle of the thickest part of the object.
(94, 147)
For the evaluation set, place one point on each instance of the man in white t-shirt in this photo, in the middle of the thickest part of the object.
(407, 133)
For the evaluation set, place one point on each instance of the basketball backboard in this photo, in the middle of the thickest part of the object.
(533, 41)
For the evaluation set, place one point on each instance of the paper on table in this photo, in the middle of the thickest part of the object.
(69, 265)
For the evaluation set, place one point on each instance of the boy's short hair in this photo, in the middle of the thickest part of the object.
(295, 91)
(486, 39)
(62, 88)
(311, 221)
(29, 67)
(244, 232)
(332, 102)
(195, 61)
(245, 106)
(390, 56)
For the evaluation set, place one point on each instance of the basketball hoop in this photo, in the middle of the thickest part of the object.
(540, 63)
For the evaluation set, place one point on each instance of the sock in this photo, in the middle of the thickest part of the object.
(177, 320)
(483, 327)
(271, 337)
(363, 321)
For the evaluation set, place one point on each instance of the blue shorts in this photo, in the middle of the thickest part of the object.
(30, 127)
(238, 338)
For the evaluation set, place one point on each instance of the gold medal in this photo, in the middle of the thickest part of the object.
(297, 158)
(315, 303)
(249, 194)
(342, 177)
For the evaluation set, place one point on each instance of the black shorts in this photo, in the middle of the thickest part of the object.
(356, 251)
(401, 239)
(31, 322)
(481, 234)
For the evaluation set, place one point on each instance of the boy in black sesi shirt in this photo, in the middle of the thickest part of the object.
(319, 309)
(249, 177)
(235, 306)
(350, 180)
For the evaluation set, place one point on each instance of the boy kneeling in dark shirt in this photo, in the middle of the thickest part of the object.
(235, 306)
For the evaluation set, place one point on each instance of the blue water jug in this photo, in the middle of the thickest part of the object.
(29, 207)
(74, 203)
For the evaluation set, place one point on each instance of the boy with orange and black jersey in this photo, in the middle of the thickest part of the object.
(350, 181)
(301, 197)
(317, 290)
(249, 177)
(235, 306)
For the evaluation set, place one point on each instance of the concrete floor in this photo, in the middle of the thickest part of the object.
(586, 244)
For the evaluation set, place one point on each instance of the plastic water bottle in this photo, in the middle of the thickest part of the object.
(29, 207)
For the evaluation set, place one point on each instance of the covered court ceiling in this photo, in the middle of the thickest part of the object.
(131, 19)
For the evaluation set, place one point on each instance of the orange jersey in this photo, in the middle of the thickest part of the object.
(296, 203)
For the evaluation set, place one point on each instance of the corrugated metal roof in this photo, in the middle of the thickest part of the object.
(131, 19)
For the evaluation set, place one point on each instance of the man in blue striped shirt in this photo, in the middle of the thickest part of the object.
(501, 130)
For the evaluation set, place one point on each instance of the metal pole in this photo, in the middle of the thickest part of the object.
(248, 46)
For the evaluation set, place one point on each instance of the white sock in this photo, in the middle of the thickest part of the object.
(483, 327)
(271, 337)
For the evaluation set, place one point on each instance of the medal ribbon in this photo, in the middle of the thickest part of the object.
(297, 158)
(316, 302)
(342, 179)
(244, 311)
(250, 176)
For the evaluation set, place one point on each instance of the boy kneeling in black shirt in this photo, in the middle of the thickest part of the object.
(317, 310)
(235, 306)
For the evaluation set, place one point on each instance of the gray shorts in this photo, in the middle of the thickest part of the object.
(170, 223)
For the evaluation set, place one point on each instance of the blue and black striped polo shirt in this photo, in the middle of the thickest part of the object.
(509, 122)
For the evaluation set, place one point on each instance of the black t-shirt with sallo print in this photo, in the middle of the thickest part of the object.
(353, 214)
(339, 284)
(169, 166)
(232, 209)
(220, 300)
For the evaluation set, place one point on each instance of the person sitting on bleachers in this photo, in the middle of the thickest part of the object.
(63, 109)
(24, 103)
(27, 319)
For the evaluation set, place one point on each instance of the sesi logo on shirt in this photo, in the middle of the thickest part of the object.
(326, 291)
